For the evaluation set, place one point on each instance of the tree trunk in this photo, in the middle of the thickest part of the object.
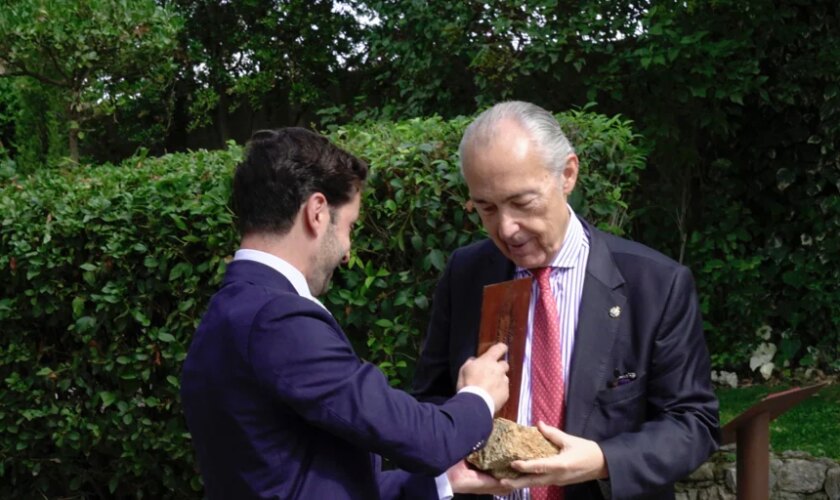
(73, 142)
(222, 117)
(73, 116)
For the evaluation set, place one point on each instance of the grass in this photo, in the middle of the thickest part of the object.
(812, 426)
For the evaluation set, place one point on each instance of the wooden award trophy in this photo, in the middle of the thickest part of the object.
(504, 318)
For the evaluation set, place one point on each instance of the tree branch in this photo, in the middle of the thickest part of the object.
(58, 67)
(21, 71)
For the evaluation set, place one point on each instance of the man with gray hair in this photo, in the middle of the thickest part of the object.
(616, 371)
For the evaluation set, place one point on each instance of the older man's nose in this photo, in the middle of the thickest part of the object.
(508, 227)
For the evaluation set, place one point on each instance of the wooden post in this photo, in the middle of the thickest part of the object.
(753, 458)
(751, 432)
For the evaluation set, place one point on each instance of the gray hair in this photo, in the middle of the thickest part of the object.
(540, 125)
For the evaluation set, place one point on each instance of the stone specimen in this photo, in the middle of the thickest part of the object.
(508, 442)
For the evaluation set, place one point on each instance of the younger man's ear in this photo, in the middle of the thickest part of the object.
(316, 212)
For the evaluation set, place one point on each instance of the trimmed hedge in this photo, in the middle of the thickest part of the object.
(106, 270)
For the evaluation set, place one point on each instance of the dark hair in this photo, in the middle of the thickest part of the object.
(281, 169)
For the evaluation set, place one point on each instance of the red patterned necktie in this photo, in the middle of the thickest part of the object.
(547, 387)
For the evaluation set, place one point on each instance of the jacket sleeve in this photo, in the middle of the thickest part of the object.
(307, 363)
(402, 485)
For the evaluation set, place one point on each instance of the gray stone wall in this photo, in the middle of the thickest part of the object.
(794, 475)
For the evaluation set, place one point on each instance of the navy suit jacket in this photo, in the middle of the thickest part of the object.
(654, 430)
(279, 405)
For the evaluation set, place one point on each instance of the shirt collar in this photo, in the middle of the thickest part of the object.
(283, 267)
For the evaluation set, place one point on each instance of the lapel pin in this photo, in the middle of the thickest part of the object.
(615, 311)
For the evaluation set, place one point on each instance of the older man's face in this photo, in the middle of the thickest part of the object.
(522, 203)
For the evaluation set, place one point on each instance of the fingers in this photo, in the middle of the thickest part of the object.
(553, 434)
(488, 373)
(466, 480)
(495, 352)
(479, 482)
(526, 481)
(535, 466)
(537, 472)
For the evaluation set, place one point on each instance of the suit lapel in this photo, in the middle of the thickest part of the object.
(499, 268)
(596, 332)
(493, 268)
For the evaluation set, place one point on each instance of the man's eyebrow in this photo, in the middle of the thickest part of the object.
(532, 192)
(509, 198)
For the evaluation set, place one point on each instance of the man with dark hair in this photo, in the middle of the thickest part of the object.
(616, 371)
(277, 402)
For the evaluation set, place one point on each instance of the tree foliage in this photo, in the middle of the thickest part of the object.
(290, 53)
(94, 54)
(739, 101)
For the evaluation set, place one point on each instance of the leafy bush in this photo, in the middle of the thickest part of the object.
(777, 282)
(105, 273)
(106, 270)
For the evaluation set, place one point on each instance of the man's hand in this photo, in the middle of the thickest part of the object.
(466, 480)
(579, 460)
(489, 373)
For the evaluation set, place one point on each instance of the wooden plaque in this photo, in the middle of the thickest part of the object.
(504, 318)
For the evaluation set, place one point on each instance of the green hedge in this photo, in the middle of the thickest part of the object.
(106, 270)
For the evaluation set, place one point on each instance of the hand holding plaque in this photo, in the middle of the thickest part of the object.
(488, 371)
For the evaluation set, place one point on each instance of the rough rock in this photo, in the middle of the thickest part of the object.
(802, 476)
(705, 472)
(715, 493)
(730, 477)
(508, 442)
(832, 483)
(776, 467)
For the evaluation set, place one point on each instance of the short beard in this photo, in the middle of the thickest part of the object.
(324, 263)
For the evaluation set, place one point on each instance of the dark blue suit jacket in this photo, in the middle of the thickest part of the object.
(279, 405)
(654, 430)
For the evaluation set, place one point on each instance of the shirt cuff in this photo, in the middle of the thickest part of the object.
(478, 391)
(444, 489)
